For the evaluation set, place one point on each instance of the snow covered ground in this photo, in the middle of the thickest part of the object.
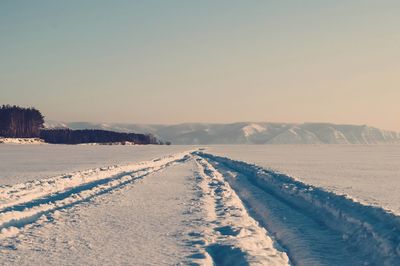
(367, 173)
(21, 141)
(315, 227)
(21, 163)
(165, 211)
(177, 205)
(140, 224)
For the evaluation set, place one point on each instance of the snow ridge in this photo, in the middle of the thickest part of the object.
(231, 236)
(347, 232)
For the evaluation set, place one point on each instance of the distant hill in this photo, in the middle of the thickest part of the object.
(251, 133)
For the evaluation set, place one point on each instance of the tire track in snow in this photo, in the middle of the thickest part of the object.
(228, 235)
(23, 204)
(316, 227)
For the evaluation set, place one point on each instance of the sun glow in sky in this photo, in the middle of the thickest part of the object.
(203, 61)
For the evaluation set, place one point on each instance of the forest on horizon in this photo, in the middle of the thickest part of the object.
(19, 122)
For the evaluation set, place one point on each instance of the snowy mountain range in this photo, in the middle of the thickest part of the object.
(250, 133)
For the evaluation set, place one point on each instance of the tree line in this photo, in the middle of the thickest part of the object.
(68, 136)
(18, 122)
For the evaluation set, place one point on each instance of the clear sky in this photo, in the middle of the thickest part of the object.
(203, 61)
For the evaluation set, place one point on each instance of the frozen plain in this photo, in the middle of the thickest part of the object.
(21, 163)
(367, 173)
(187, 208)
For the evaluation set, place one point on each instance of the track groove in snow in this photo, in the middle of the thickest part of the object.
(229, 236)
(234, 209)
(316, 227)
(23, 204)
(143, 223)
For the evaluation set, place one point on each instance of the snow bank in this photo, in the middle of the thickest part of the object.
(21, 141)
(231, 237)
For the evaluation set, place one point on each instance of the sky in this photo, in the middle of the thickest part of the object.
(203, 61)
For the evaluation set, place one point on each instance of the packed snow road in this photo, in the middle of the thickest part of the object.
(189, 208)
(161, 212)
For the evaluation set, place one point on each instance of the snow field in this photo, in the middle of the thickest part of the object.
(143, 223)
(22, 204)
(23, 163)
(201, 209)
(217, 228)
(315, 226)
(366, 173)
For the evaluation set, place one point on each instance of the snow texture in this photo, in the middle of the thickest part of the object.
(190, 207)
(230, 236)
(186, 214)
(137, 224)
(22, 204)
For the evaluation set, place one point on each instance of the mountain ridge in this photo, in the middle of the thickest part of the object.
(249, 132)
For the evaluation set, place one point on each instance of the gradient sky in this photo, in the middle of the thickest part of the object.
(203, 61)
